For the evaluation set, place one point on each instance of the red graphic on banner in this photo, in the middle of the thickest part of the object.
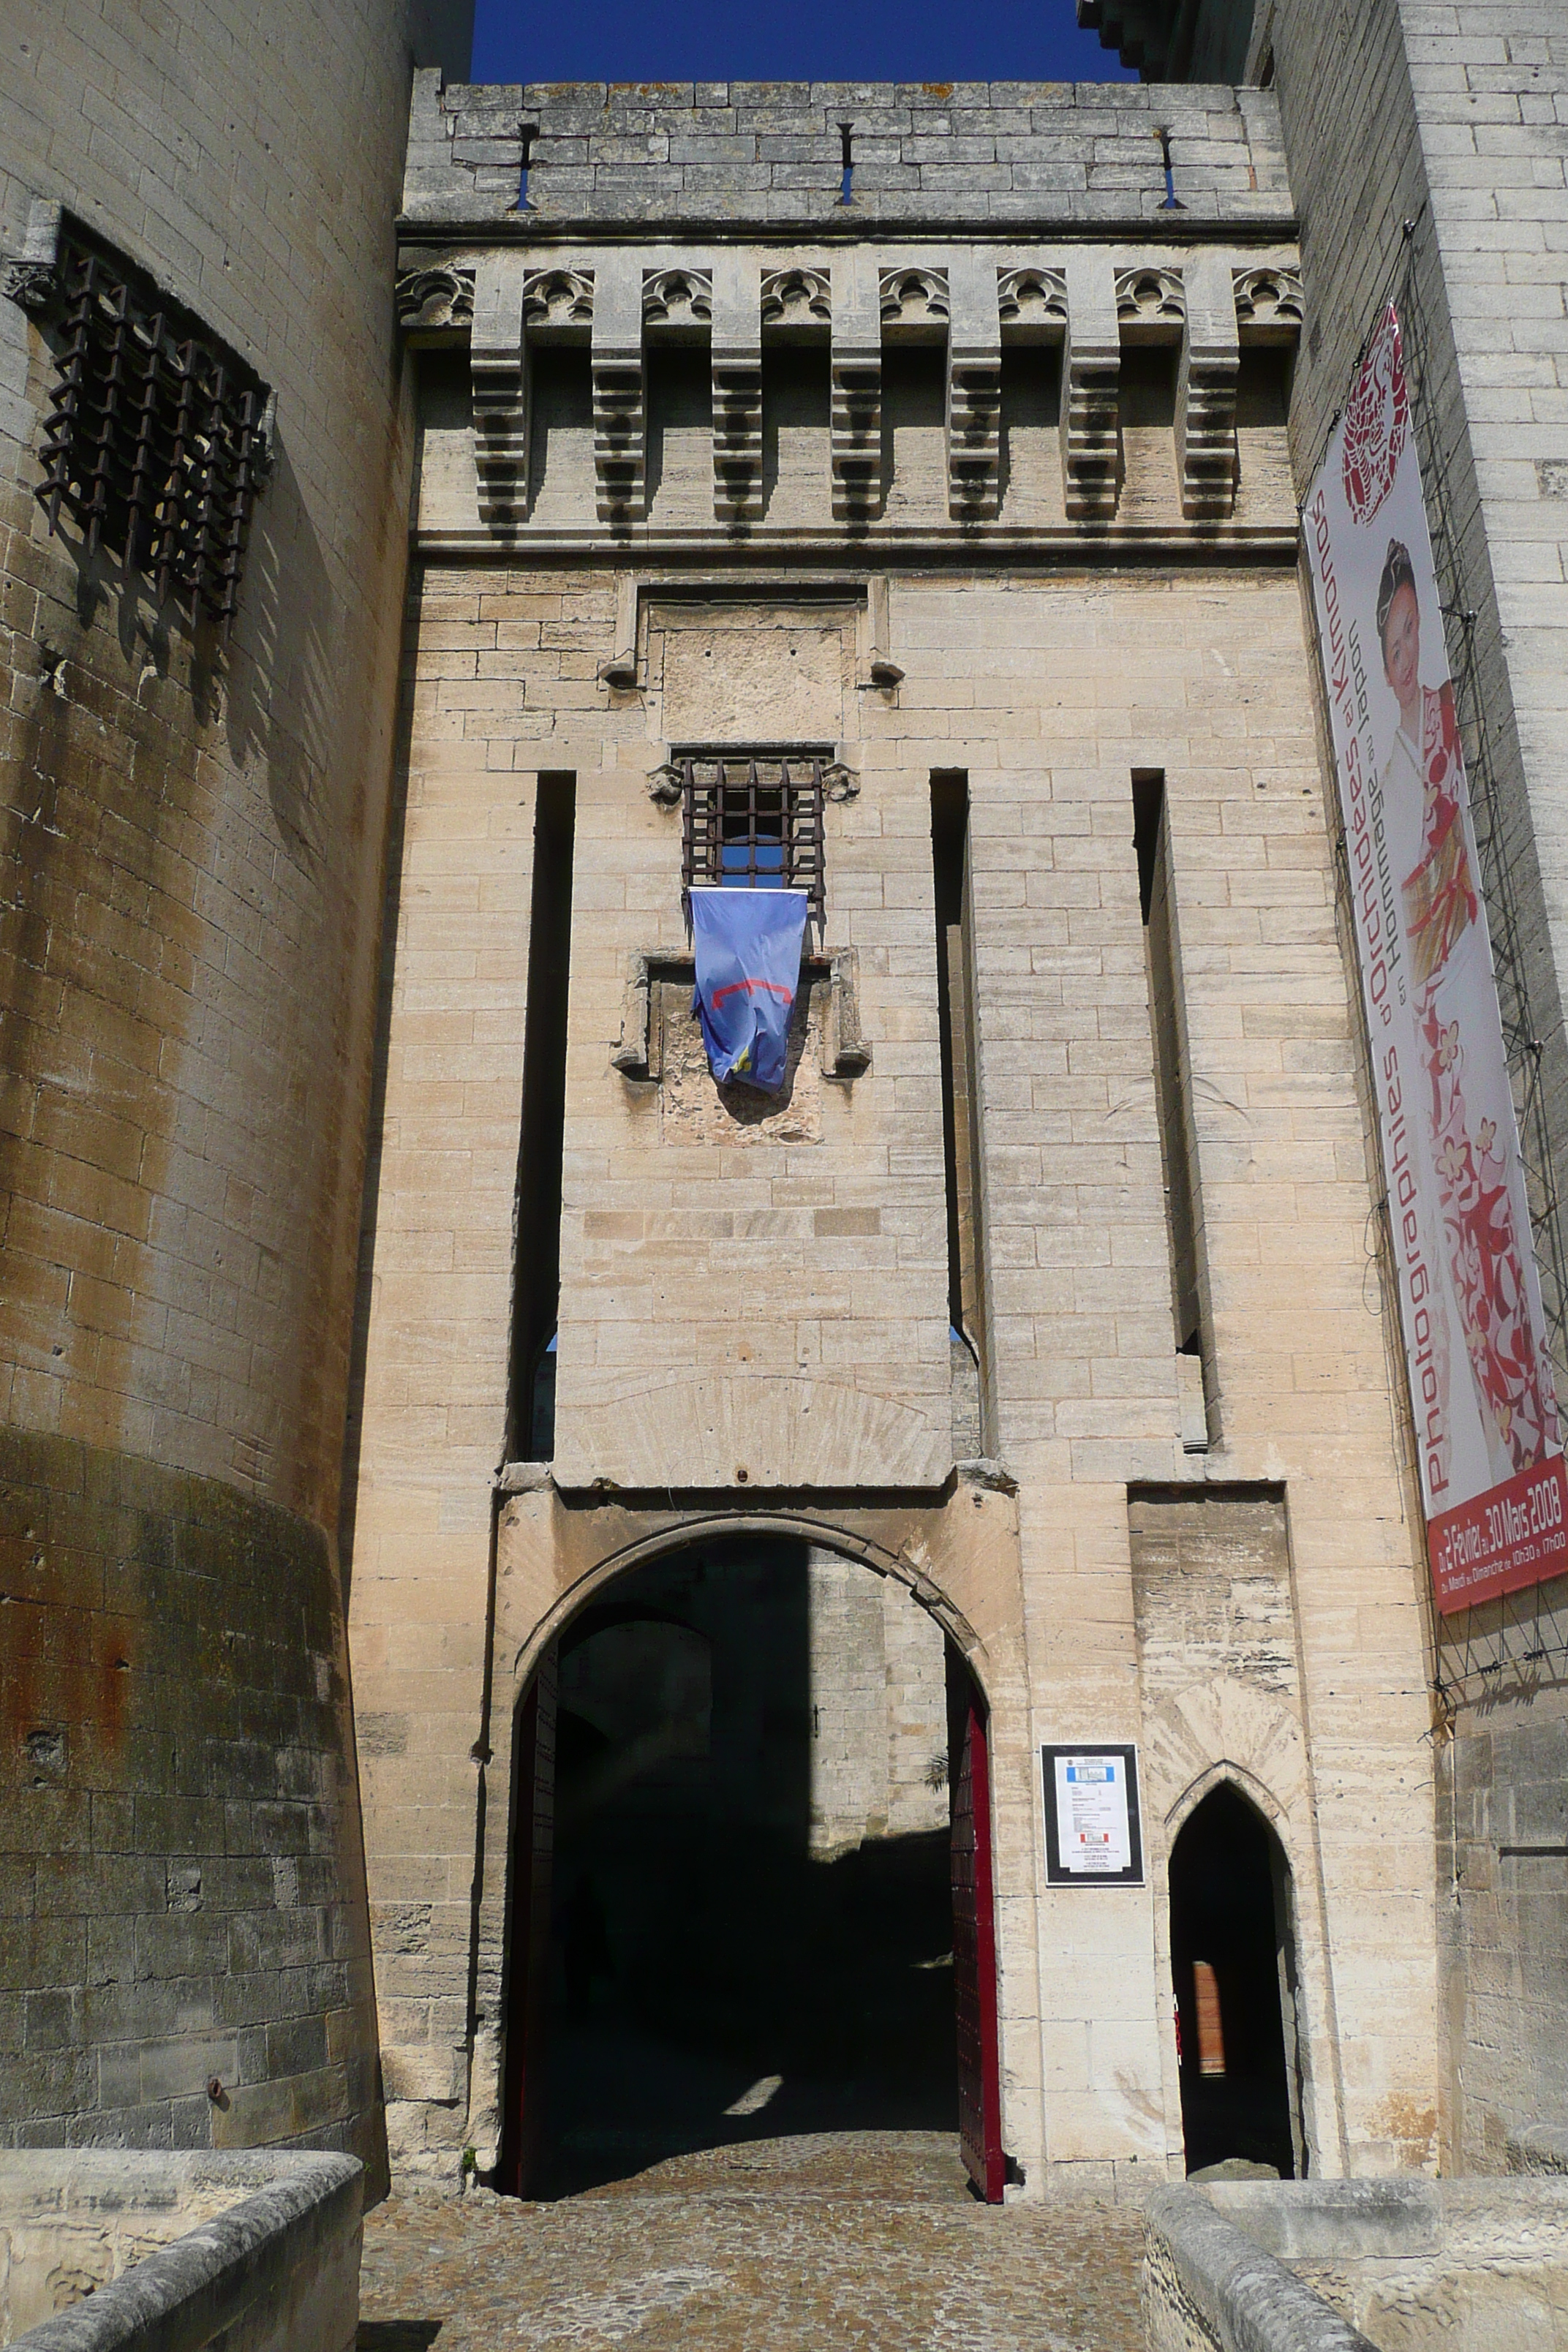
(1486, 1261)
(1482, 1383)
(1514, 1534)
(1377, 423)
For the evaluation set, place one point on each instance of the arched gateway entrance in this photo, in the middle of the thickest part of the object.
(751, 1882)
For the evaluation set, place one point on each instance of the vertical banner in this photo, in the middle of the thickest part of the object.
(1475, 1340)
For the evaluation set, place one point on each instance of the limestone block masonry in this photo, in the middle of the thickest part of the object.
(982, 475)
(192, 843)
(1427, 149)
(928, 455)
(1471, 107)
(103, 2248)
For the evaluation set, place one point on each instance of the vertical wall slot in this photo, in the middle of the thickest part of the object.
(1172, 203)
(1178, 1148)
(971, 1414)
(537, 1281)
(847, 162)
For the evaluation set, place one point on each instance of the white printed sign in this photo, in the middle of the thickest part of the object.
(1091, 1814)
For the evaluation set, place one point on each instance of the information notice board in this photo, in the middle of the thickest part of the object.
(1093, 1834)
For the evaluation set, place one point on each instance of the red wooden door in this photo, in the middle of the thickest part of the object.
(528, 1935)
(975, 1955)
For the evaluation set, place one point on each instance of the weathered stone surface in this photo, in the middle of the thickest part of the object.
(973, 153)
(181, 1834)
(866, 2241)
(108, 2248)
(1474, 2263)
(192, 835)
(1048, 693)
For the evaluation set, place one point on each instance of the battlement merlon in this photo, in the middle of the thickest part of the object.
(767, 158)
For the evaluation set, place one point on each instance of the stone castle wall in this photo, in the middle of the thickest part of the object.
(192, 842)
(979, 465)
(1085, 1372)
(924, 153)
(1428, 150)
(1456, 120)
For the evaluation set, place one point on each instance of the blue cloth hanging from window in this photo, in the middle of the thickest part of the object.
(747, 945)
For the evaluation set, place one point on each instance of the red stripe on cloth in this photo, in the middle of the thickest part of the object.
(748, 987)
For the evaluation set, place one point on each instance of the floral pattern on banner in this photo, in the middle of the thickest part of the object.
(1511, 1380)
(1377, 422)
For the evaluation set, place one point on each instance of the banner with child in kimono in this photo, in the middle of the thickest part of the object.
(1487, 1433)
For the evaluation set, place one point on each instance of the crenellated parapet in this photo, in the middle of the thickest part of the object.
(1099, 237)
(748, 158)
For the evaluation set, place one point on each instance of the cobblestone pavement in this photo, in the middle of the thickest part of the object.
(841, 2243)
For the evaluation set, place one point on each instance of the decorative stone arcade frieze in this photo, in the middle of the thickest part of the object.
(1268, 303)
(435, 303)
(970, 297)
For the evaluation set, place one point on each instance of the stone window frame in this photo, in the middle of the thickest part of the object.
(845, 1050)
(158, 438)
(708, 799)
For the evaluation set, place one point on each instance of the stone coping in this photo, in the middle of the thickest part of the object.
(1215, 2268)
(1243, 2298)
(180, 2298)
(739, 154)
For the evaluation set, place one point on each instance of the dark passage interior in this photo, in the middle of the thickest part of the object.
(1233, 1965)
(537, 1295)
(750, 1920)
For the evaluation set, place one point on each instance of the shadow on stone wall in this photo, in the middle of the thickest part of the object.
(184, 1957)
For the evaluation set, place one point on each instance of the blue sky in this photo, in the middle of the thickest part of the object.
(803, 40)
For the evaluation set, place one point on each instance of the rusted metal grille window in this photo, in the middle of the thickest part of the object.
(752, 821)
(156, 438)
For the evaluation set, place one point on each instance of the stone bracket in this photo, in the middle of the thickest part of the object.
(621, 669)
(498, 375)
(974, 390)
(856, 440)
(620, 418)
(524, 1478)
(1205, 393)
(31, 278)
(880, 669)
(845, 1050)
(1091, 386)
(737, 365)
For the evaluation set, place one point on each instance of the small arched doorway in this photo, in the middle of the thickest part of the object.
(1233, 1967)
(750, 1862)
